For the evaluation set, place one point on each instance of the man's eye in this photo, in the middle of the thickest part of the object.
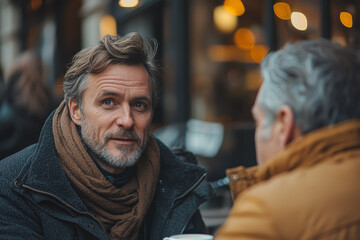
(108, 102)
(140, 105)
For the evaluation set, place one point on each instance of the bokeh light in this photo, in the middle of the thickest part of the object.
(234, 7)
(346, 19)
(224, 21)
(107, 26)
(244, 38)
(299, 21)
(282, 10)
(128, 3)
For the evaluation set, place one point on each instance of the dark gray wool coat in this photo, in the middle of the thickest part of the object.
(38, 202)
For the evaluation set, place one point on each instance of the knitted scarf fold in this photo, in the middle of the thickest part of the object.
(120, 210)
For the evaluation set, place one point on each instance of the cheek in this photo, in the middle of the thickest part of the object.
(100, 125)
(264, 146)
(142, 124)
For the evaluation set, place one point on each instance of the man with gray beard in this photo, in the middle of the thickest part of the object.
(97, 172)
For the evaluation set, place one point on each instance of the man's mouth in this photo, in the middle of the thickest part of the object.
(123, 141)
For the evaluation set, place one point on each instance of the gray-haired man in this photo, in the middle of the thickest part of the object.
(307, 139)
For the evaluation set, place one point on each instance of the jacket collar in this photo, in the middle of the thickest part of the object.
(175, 174)
(43, 171)
(325, 144)
(318, 146)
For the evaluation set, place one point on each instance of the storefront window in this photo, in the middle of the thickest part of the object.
(227, 45)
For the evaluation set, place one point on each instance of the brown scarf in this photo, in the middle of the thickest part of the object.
(120, 210)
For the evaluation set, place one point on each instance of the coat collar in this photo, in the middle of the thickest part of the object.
(330, 143)
(43, 171)
(315, 147)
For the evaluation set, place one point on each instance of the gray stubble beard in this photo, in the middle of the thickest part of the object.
(100, 150)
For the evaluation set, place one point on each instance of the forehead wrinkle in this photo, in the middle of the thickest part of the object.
(110, 93)
(116, 80)
(120, 90)
(124, 83)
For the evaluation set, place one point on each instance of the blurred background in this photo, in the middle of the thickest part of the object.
(209, 51)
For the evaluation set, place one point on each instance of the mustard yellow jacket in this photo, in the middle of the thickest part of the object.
(309, 191)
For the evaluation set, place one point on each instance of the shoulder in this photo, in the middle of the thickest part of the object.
(11, 166)
(317, 196)
(327, 178)
(179, 169)
(10, 169)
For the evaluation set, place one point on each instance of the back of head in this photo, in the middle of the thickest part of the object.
(318, 79)
(130, 49)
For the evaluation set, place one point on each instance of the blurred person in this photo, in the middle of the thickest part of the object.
(26, 103)
(97, 172)
(308, 148)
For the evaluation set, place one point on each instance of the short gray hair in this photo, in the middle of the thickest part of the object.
(317, 79)
(130, 49)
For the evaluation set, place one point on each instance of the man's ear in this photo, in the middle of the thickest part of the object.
(75, 112)
(287, 131)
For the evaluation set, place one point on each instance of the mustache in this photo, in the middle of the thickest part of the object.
(122, 133)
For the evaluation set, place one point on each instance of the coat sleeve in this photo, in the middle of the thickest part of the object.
(248, 219)
(17, 219)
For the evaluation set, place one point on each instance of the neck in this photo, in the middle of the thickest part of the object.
(109, 168)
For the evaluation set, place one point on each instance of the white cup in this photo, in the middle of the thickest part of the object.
(190, 237)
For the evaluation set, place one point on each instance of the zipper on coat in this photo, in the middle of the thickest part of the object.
(181, 196)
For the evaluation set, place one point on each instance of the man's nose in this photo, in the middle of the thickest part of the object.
(124, 117)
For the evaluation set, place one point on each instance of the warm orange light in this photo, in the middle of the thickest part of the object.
(35, 4)
(224, 21)
(244, 38)
(234, 7)
(299, 21)
(128, 3)
(107, 26)
(346, 19)
(282, 10)
(258, 52)
(223, 53)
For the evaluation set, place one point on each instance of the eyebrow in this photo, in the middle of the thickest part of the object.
(144, 98)
(109, 93)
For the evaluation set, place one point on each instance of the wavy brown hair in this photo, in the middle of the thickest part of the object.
(130, 49)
